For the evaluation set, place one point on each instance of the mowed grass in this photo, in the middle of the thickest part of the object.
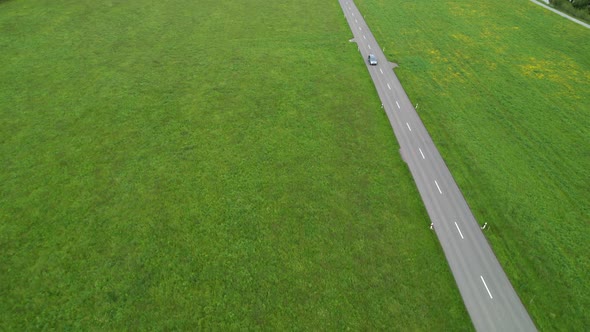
(204, 165)
(502, 86)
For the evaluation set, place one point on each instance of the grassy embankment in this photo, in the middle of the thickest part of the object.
(210, 164)
(503, 87)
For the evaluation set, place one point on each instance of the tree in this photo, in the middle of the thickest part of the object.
(580, 3)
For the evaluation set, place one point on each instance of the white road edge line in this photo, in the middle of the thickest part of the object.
(437, 187)
(459, 230)
(397, 104)
(407, 124)
(484, 283)
(422, 153)
(388, 86)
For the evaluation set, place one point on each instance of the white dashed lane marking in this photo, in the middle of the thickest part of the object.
(437, 187)
(459, 230)
(484, 283)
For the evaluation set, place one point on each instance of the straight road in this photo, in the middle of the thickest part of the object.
(487, 293)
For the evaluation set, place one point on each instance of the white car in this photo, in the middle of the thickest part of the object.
(372, 59)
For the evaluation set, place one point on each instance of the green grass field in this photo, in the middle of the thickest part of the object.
(503, 87)
(204, 165)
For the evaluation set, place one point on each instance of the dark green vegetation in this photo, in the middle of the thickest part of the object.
(204, 164)
(503, 88)
(578, 8)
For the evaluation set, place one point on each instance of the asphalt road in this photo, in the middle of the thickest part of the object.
(487, 293)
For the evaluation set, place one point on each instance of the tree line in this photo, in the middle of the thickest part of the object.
(577, 8)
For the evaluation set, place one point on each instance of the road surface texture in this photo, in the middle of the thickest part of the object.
(487, 293)
(560, 13)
